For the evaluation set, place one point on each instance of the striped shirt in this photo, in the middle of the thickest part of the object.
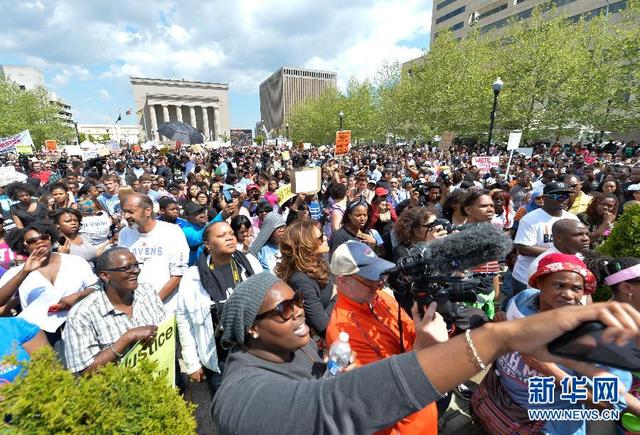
(94, 324)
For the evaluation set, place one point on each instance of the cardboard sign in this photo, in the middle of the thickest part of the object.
(285, 155)
(162, 350)
(446, 140)
(51, 145)
(343, 139)
(485, 163)
(514, 140)
(306, 180)
(284, 194)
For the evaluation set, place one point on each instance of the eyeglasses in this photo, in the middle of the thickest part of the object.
(133, 267)
(40, 238)
(573, 186)
(558, 196)
(284, 309)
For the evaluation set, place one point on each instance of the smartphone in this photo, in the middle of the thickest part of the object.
(227, 195)
(585, 344)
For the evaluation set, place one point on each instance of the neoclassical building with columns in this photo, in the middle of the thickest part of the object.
(203, 105)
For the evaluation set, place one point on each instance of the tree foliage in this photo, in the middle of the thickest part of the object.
(560, 75)
(31, 110)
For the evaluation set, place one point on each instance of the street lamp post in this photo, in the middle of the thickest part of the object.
(341, 115)
(497, 87)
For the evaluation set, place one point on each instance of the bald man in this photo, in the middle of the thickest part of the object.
(569, 237)
(160, 246)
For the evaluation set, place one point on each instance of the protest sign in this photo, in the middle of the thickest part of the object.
(343, 138)
(446, 140)
(514, 140)
(284, 194)
(484, 163)
(104, 151)
(21, 141)
(51, 145)
(162, 350)
(527, 152)
(306, 180)
(285, 155)
(73, 150)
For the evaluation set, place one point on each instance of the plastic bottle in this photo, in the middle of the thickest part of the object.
(339, 355)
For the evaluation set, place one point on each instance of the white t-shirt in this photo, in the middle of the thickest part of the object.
(37, 293)
(553, 250)
(96, 228)
(164, 252)
(534, 230)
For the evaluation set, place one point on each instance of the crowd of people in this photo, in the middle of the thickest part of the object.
(96, 254)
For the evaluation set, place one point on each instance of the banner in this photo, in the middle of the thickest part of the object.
(162, 350)
(343, 138)
(20, 141)
(484, 163)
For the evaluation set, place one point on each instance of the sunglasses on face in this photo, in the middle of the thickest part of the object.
(558, 196)
(284, 309)
(133, 267)
(40, 238)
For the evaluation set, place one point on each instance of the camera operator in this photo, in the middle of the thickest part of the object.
(376, 325)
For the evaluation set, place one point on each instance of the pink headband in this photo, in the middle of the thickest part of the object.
(624, 275)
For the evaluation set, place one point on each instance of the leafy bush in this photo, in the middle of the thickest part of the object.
(115, 399)
(624, 240)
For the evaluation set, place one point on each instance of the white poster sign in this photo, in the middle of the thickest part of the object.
(514, 140)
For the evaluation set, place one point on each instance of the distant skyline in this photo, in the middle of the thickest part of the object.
(87, 50)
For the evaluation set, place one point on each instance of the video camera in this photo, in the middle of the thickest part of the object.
(427, 271)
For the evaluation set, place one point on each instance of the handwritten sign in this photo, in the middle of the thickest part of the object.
(162, 350)
(343, 139)
(485, 163)
(51, 145)
(446, 140)
(284, 194)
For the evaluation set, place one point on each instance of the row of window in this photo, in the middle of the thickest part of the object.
(453, 28)
(613, 8)
(450, 14)
(492, 11)
(445, 3)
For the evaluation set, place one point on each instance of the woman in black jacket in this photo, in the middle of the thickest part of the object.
(303, 266)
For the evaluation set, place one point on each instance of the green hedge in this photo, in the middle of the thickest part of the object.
(115, 399)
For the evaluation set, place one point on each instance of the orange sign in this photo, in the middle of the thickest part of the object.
(343, 138)
(51, 145)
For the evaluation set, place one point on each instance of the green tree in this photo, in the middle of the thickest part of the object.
(31, 110)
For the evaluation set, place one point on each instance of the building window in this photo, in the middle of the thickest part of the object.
(503, 22)
(443, 4)
(457, 26)
(517, 2)
(23, 88)
(492, 11)
(451, 14)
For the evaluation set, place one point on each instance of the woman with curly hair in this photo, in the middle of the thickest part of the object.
(28, 209)
(599, 217)
(303, 266)
(52, 282)
(414, 226)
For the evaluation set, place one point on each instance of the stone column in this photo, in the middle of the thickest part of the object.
(205, 123)
(192, 116)
(154, 122)
(179, 113)
(216, 123)
(165, 113)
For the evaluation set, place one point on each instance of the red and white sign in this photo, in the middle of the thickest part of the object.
(485, 163)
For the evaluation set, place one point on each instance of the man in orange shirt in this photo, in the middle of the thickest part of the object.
(369, 314)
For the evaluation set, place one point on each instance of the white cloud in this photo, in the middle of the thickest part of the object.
(72, 72)
(104, 95)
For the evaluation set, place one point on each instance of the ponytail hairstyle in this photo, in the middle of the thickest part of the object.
(603, 266)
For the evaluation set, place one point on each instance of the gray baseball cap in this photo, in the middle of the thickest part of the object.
(355, 257)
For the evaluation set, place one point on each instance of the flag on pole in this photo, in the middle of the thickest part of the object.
(139, 112)
(119, 118)
(129, 112)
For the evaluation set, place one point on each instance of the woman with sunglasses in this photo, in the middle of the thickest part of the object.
(52, 282)
(354, 227)
(274, 371)
(303, 266)
(599, 217)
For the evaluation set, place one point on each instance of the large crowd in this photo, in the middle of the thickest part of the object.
(96, 253)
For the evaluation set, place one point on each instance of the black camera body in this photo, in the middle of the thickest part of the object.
(447, 226)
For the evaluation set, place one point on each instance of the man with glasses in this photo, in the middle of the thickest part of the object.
(534, 234)
(578, 200)
(369, 314)
(103, 326)
(160, 246)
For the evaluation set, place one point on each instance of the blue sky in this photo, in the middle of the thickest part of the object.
(87, 49)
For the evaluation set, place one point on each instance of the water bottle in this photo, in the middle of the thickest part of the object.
(339, 355)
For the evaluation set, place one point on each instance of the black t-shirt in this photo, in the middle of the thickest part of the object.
(338, 238)
(224, 274)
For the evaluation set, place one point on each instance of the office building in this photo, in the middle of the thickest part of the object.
(288, 87)
(27, 77)
(116, 132)
(203, 105)
(461, 16)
